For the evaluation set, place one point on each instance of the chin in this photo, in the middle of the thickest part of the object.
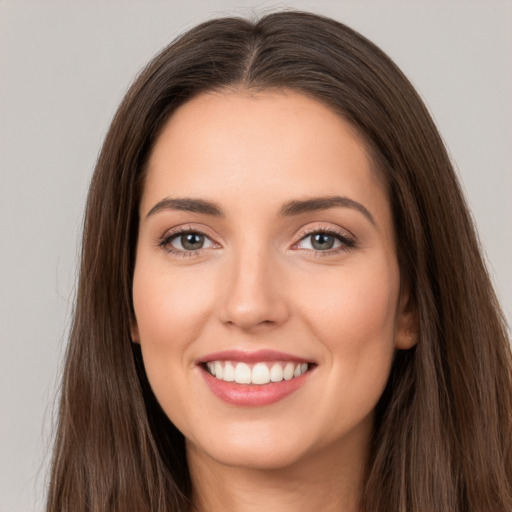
(250, 451)
(255, 459)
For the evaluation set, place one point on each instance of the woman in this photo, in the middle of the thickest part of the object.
(281, 304)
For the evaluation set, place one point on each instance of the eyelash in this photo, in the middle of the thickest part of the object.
(165, 242)
(347, 242)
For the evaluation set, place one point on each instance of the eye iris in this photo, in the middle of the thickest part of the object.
(322, 241)
(192, 241)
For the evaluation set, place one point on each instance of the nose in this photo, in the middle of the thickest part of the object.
(254, 293)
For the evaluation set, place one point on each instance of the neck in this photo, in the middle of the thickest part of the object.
(329, 481)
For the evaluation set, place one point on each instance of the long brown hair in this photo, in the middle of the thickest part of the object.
(442, 438)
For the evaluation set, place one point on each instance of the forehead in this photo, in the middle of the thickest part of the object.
(264, 147)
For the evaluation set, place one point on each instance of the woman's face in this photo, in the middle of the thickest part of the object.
(266, 255)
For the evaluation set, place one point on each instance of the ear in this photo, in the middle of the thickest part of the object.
(407, 324)
(134, 331)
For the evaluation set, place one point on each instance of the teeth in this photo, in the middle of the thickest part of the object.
(288, 371)
(276, 373)
(229, 372)
(242, 373)
(218, 370)
(260, 373)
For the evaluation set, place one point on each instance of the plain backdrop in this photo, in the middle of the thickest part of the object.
(65, 66)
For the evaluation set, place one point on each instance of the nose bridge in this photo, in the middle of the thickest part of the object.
(253, 296)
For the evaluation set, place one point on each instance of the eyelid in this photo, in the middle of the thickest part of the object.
(347, 239)
(189, 228)
(164, 242)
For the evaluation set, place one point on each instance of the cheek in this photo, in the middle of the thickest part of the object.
(352, 312)
(170, 308)
(359, 301)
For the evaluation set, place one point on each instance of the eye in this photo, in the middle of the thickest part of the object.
(320, 242)
(186, 243)
(325, 241)
(189, 241)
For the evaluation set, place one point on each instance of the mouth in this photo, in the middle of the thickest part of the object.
(260, 373)
(254, 379)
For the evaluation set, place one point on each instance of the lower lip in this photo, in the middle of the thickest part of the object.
(253, 395)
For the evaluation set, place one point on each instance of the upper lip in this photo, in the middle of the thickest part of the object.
(251, 357)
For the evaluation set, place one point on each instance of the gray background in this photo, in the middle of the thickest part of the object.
(63, 69)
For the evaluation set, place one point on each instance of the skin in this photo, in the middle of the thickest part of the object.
(258, 283)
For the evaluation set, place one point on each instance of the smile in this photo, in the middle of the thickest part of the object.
(251, 379)
(259, 373)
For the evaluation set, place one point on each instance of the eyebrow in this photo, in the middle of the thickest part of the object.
(289, 209)
(188, 205)
(297, 207)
